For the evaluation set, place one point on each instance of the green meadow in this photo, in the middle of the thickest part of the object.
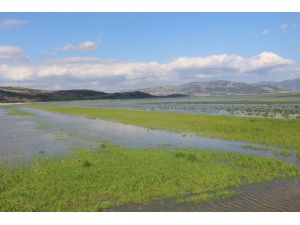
(282, 133)
(111, 176)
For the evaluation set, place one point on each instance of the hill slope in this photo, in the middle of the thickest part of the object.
(17, 94)
(290, 85)
(218, 87)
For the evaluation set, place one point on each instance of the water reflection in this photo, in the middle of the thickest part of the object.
(67, 130)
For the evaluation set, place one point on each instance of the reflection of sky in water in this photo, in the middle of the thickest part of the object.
(19, 137)
(53, 132)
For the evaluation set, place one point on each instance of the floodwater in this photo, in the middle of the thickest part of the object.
(282, 107)
(20, 137)
(277, 196)
(46, 131)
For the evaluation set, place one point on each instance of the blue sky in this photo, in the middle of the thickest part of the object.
(144, 43)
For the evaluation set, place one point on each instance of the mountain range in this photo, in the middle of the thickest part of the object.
(218, 87)
(288, 85)
(222, 87)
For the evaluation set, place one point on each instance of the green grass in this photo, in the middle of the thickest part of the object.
(113, 176)
(17, 112)
(281, 133)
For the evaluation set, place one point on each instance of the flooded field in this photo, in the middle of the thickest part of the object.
(43, 133)
(47, 132)
(278, 196)
(269, 106)
(20, 137)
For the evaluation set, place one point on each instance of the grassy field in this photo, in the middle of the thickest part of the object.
(94, 180)
(281, 133)
(17, 112)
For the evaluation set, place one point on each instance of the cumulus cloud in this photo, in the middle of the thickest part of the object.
(95, 73)
(10, 23)
(11, 53)
(83, 46)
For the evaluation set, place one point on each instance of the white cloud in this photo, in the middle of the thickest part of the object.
(10, 23)
(92, 72)
(266, 60)
(83, 46)
(265, 32)
(11, 53)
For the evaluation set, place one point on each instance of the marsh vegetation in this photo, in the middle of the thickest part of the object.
(17, 112)
(283, 106)
(98, 179)
(141, 166)
(273, 132)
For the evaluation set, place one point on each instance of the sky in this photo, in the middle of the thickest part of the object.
(126, 51)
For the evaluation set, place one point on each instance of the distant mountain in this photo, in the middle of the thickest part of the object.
(219, 87)
(17, 94)
(288, 85)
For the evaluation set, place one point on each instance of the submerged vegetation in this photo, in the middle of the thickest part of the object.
(280, 133)
(94, 180)
(253, 108)
(17, 112)
(277, 151)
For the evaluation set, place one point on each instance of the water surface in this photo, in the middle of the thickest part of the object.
(20, 137)
(48, 133)
(62, 131)
(277, 196)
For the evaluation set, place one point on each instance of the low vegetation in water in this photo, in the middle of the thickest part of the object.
(293, 113)
(277, 151)
(17, 112)
(95, 180)
(281, 133)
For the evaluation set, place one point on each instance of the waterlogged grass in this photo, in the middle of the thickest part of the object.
(113, 176)
(17, 112)
(284, 152)
(282, 133)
